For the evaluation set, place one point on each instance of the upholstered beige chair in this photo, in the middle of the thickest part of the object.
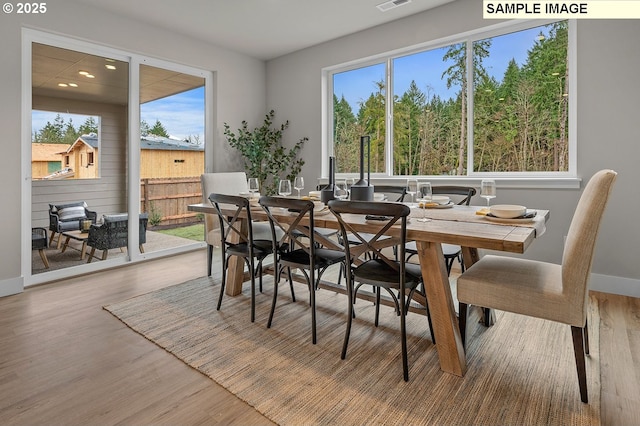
(227, 183)
(545, 290)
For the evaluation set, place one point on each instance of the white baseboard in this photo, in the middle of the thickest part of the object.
(11, 286)
(615, 285)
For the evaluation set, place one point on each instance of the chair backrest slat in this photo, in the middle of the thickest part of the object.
(392, 214)
(232, 224)
(296, 229)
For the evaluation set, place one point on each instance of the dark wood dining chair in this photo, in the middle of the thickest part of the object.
(236, 235)
(297, 248)
(379, 270)
(541, 289)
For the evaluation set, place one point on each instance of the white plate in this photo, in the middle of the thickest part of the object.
(514, 220)
(441, 206)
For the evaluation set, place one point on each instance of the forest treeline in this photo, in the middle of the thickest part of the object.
(519, 123)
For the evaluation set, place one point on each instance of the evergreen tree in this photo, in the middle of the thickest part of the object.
(159, 130)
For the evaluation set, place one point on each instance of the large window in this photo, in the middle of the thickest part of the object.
(494, 103)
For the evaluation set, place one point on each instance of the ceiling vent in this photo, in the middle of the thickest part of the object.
(392, 4)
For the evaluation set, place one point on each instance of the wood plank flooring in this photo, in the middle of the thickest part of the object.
(64, 360)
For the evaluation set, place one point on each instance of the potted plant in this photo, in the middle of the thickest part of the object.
(264, 156)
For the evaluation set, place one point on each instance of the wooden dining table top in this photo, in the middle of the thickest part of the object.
(460, 225)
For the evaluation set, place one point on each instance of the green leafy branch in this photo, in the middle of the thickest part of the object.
(263, 154)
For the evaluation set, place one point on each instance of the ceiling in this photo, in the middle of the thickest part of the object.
(264, 29)
(52, 66)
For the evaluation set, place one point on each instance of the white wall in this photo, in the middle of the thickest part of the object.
(240, 94)
(608, 123)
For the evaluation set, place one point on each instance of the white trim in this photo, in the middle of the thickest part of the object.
(501, 182)
(11, 286)
(615, 285)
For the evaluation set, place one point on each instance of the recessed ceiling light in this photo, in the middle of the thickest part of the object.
(73, 85)
(90, 76)
(110, 67)
(62, 84)
(83, 72)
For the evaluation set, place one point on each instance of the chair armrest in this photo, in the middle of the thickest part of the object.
(91, 215)
(54, 220)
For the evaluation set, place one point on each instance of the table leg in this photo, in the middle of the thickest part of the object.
(443, 314)
(66, 243)
(235, 270)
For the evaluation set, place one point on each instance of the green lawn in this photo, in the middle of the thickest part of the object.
(193, 232)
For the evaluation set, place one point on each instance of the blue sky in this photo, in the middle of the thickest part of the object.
(182, 114)
(426, 68)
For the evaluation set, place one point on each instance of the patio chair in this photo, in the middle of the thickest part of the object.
(67, 217)
(39, 242)
(114, 233)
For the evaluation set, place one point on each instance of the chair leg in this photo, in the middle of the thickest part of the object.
(225, 262)
(312, 298)
(586, 337)
(462, 322)
(578, 350)
(43, 256)
(403, 332)
(251, 265)
(209, 259)
(276, 280)
(377, 306)
(350, 315)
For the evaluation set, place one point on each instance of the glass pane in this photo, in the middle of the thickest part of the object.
(359, 102)
(521, 108)
(80, 107)
(429, 112)
(172, 108)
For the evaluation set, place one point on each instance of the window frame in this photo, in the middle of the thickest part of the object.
(564, 179)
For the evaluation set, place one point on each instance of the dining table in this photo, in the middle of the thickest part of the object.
(466, 226)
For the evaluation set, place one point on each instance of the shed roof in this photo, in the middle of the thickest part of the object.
(47, 151)
(158, 142)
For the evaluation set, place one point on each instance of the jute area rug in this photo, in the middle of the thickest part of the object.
(520, 371)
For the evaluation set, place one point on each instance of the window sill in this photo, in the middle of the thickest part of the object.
(501, 182)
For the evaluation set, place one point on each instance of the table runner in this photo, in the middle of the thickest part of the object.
(468, 214)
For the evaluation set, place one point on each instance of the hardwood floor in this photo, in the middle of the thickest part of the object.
(65, 360)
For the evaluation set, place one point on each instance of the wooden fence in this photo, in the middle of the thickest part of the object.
(165, 200)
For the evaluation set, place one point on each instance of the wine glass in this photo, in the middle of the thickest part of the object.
(298, 184)
(340, 190)
(254, 186)
(488, 190)
(423, 196)
(284, 189)
(412, 188)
